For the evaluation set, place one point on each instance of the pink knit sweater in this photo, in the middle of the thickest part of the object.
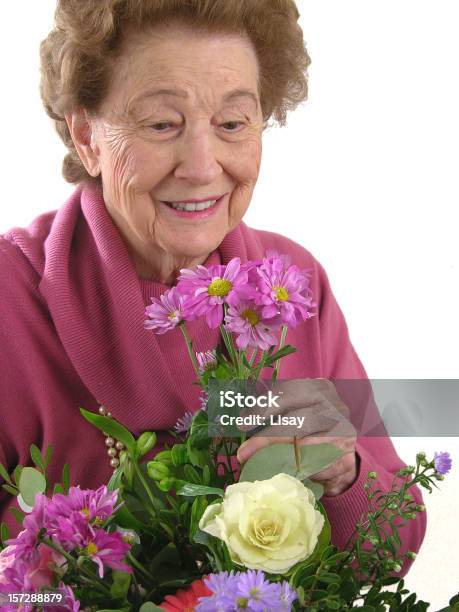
(71, 334)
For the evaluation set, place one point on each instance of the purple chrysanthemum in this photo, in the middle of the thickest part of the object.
(206, 360)
(71, 603)
(108, 549)
(223, 586)
(207, 289)
(442, 462)
(184, 422)
(232, 592)
(166, 312)
(284, 290)
(246, 320)
(96, 505)
(25, 544)
(254, 592)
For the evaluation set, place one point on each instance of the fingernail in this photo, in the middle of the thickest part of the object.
(243, 453)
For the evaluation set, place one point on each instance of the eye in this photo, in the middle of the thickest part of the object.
(161, 126)
(232, 126)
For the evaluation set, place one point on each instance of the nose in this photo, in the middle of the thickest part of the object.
(197, 157)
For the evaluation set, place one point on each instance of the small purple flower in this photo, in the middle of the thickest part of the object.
(207, 289)
(27, 540)
(166, 312)
(287, 595)
(442, 462)
(223, 586)
(245, 591)
(246, 320)
(96, 505)
(255, 592)
(284, 290)
(72, 604)
(206, 360)
(184, 422)
(108, 549)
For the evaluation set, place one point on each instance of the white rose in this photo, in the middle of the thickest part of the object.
(268, 524)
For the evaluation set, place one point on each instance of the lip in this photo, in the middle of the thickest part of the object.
(199, 214)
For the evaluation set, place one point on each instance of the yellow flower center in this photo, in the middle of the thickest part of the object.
(267, 531)
(242, 603)
(85, 511)
(281, 293)
(251, 316)
(91, 548)
(219, 287)
(172, 315)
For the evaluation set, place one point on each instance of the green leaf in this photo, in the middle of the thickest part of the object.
(4, 533)
(66, 478)
(149, 607)
(316, 487)
(191, 474)
(17, 473)
(58, 488)
(283, 352)
(18, 515)
(31, 482)
(197, 510)
(280, 458)
(48, 455)
(36, 456)
(179, 454)
(192, 490)
(10, 490)
(120, 585)
(4, 474)
(112, 427)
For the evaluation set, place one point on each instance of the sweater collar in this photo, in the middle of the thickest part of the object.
(95, 300)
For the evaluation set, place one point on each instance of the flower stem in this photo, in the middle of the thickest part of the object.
(143, 570)
(189, 345)
(281, 344)
(138, 471)
(296, 448)
(97, 582)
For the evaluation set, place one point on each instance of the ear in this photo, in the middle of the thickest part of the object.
(81, 128)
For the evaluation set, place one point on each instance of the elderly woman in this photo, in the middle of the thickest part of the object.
(162, 106)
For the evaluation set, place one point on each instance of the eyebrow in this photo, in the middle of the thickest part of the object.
(181, 93)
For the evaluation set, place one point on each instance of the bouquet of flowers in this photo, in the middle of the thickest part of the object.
(188, 529)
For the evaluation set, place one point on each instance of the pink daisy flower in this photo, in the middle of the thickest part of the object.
(206, 360)
(284, 290)
(184, 422)
(94, 505)
(166, 312)
(207, 289)
(246, 320)
(108, 549)
(25, 544)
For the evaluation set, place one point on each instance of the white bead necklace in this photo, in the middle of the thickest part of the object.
(113, 446)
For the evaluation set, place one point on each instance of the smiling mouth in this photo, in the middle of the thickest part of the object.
(193, 205)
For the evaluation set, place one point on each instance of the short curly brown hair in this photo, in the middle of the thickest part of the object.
(77, 56)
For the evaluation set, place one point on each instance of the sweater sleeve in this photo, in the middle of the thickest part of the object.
(374, 453)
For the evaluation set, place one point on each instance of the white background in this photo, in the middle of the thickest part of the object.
(364, 176)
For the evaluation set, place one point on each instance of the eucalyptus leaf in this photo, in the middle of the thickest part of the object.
(4, 474)
(192, 490)
(112, 427)
(31, 482)
(316, 487)
(121, 583)
(36, 456)
(280, 459)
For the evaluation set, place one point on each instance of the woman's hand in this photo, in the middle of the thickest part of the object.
(326, 419)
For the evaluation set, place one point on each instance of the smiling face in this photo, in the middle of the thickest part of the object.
(177, 141)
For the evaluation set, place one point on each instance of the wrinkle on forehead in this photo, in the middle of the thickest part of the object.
(149, 62)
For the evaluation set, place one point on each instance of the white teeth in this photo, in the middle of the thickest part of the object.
(189, 207)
